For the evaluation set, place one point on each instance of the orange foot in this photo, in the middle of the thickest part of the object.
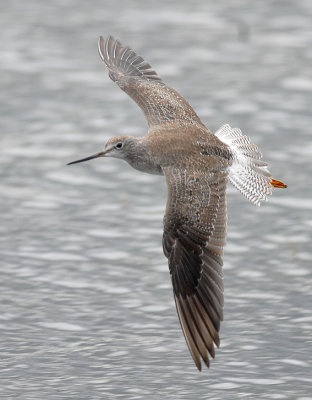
(278, 184)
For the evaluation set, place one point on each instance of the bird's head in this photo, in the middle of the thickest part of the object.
(118, 147)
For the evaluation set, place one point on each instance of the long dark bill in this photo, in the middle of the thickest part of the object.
(100, 154)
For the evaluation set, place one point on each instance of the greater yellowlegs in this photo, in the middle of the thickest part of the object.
(197, 165)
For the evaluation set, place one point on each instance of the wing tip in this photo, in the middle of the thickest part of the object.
(101, 47)
(122, 60)
(104, 46)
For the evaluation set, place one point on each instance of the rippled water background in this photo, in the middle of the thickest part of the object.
(86, 299)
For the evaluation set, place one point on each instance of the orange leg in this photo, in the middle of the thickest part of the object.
(278, 184)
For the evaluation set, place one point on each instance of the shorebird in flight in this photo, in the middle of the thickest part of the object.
(197, 165)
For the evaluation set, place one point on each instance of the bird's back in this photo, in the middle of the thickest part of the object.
(184, 145)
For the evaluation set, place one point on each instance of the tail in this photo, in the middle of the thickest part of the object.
(248, 173)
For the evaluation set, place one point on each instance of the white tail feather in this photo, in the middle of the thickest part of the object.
(248, 173)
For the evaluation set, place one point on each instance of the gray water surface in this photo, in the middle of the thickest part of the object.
(86, 301)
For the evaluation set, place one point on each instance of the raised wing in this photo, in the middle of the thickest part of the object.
(139, 80)
(193, 240)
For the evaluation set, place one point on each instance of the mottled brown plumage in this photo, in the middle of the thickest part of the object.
(197, 165)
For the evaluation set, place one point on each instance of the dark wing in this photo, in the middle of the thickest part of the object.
(140, 81)
(193, 240)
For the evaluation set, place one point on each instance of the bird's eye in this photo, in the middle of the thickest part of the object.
(119, 145)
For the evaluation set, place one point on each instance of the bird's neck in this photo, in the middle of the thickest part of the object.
(141, 159)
